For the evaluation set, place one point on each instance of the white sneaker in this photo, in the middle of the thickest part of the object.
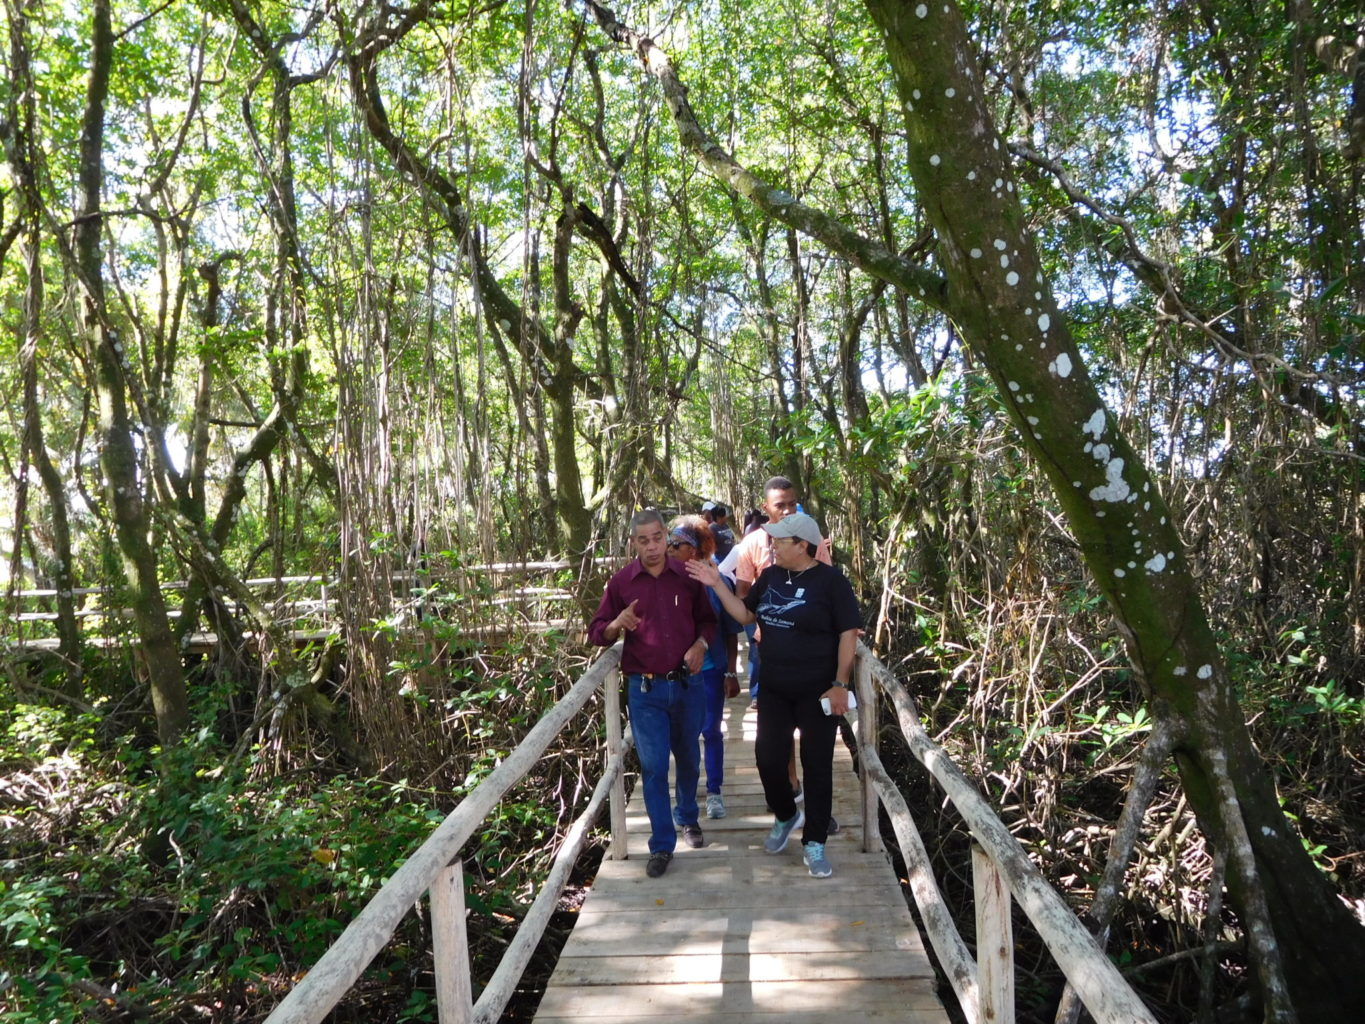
(715, 806)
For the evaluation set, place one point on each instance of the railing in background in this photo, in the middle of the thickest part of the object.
(314, 617)
(1000, 867)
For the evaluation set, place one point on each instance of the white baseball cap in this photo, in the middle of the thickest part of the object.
(798, 524)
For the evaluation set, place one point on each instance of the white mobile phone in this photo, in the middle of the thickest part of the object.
(852, 702)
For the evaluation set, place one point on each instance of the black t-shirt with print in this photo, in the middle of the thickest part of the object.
(801, 622)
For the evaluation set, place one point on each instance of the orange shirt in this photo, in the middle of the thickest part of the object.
(756, 554)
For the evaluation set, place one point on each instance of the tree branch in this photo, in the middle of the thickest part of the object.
(870, 256)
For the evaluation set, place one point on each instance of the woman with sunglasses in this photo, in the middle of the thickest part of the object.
(689, 540)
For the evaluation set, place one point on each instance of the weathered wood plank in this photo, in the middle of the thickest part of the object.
(697, 880)
(787, 929)
(450, 946)
(839, 1000)
(732, 934)
(707, 967)
(994, 940)
(898, 1015)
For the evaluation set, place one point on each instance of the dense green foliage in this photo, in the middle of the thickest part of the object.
(401, 296)
(192, 883)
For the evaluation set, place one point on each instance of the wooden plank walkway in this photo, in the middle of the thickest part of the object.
(732, 934)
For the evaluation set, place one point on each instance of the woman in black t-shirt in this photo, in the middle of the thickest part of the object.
(809, 622)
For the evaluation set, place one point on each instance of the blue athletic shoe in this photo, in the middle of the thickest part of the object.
(782, 831)
(814, 856)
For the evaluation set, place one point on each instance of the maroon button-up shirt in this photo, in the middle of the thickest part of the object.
(674, 612)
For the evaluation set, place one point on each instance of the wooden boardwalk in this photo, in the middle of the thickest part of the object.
(733, 934)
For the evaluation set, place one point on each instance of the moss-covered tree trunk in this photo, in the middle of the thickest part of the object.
(107, 359)
(574, 519)
(1001, 301)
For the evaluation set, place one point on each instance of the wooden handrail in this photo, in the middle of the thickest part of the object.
(953, 955)
(983, 986)
(343, 963)
(1096, 980)
(518, 954)
(304, 613)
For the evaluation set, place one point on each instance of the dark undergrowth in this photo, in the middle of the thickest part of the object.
(200, 886)
(1183, 963)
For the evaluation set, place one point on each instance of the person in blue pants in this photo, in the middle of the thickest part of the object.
(689, 539)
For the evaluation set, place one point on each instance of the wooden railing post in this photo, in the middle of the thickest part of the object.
(994, 941)
(867, 740)
(450, 947)
(611, 703)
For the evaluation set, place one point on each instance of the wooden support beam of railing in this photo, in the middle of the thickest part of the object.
(1101, 987)
(337, 970)
(616, 748)
(953, 955)
(500, 987)
(867, 740)
(450, 946)
(994, 940)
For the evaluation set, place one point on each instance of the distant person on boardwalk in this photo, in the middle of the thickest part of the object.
(689, 539)
(668, 622)
(721, 532)
(753, 519)
(808, 631)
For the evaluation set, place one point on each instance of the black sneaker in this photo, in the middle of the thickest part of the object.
(658, 864)
(833, 826)
(692, 836)
(797, 793)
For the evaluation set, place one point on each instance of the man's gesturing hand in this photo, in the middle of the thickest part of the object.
(628, 619)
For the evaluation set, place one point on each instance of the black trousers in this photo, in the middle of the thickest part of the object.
(780, 711)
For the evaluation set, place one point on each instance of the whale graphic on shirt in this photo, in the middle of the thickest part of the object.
(773, 608)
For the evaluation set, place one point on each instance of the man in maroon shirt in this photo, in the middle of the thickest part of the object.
(668, 622)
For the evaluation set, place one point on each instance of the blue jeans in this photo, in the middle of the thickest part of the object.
(667, 720)
(749, 631)
(713, 743)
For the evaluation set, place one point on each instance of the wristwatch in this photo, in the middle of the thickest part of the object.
(837, 683)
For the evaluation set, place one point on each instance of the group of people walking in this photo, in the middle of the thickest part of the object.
(681, 618)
